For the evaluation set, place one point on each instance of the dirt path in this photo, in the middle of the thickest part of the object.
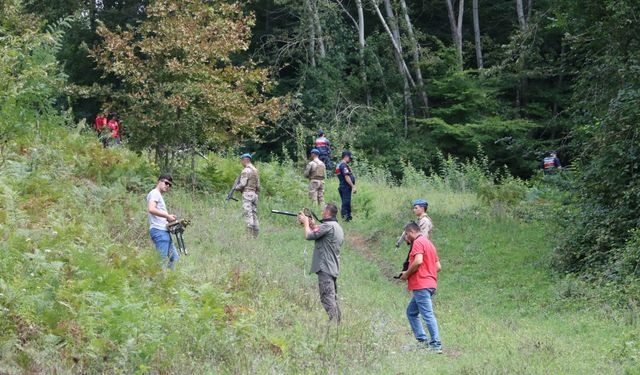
(368, 250)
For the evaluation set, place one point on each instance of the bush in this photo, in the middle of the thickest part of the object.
(30, 82)
(374, 173)
(451, 174)
(606, 210)
(504, 196)
(277, 178)
(462, 176)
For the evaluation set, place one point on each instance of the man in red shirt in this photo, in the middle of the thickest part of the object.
(101, 123)
(422, 281)
(100, 127)
(114, 125)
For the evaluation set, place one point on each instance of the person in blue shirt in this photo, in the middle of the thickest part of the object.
(347, 184)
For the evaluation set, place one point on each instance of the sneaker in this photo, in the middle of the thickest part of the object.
(420, 345)
(435, 350)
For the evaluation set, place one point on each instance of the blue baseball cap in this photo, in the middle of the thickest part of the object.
(247, 156)
(347, 153)
(421, 202)
(315, 151)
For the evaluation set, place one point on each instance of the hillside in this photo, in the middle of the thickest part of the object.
(81, 290)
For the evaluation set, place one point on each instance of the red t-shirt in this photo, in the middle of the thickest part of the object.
(115, 128)
(101, 123)
(427, 274)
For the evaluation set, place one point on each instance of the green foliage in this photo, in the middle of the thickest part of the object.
(78, 280)
(629, 258)
(462, 176)
(463, 97)
(30, 78)
(180, 87)
(608, 186)
(506, 142)
(82, 291)
(504, 196)
(81, 287)
(281, 179)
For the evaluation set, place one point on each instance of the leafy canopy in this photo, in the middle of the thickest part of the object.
(180, 83)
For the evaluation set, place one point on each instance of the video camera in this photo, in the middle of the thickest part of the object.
(177, 229)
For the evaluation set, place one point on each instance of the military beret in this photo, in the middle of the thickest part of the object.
(420, 202)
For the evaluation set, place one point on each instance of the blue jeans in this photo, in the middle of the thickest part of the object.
(164, 245)
(421, 305)
(345, 196)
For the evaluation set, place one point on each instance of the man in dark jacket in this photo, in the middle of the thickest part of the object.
(347, 184)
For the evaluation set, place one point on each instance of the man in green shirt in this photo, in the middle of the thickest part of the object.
(328, 238)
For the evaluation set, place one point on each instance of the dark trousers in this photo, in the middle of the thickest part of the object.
(345, 196)
(326, 159)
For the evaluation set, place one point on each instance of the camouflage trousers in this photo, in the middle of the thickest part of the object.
(316, 192)
(328, 287)
(250, 211)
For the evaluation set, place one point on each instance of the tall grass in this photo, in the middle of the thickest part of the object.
(82, 291)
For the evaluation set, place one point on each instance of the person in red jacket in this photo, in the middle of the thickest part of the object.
(114, 125)
(422, 281)
(101, 123)
(100, 126)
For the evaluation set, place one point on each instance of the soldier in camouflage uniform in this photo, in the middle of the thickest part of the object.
(249, 186)
(424, 221)
(315, 172)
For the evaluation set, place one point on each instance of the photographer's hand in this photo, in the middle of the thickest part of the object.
(171, 218)
(304, 220)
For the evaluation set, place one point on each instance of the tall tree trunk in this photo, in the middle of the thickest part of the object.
(456, 27)
(408, 107)
(402, 65)
(382, 75)
(312, 34)
(361, 50)
(476, 32)
(396, 47)
(415, 49)
(560, 79)
(395, 33)
(318, 25)
(522, 20)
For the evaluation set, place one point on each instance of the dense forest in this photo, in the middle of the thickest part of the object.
(398, 81)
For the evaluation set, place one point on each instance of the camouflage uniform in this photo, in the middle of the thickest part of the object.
(316, 172)
(426, 226)
(249, 186)
(328, 287)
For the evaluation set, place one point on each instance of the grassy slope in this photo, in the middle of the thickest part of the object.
(498, 308)
(80, 291)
